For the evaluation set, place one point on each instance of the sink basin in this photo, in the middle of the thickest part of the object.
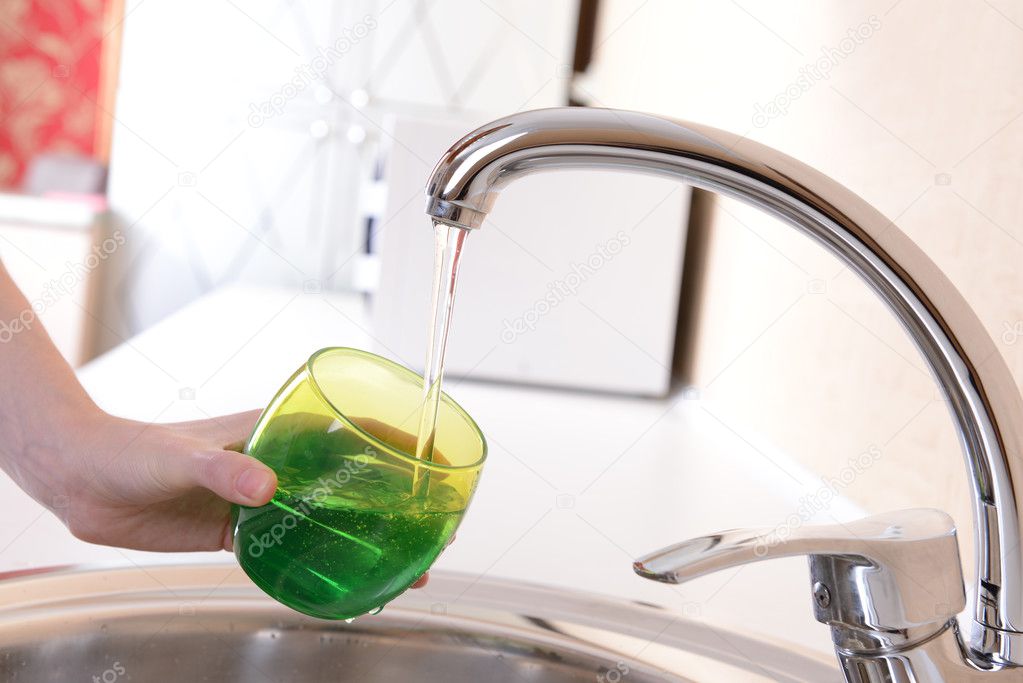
(209, 623)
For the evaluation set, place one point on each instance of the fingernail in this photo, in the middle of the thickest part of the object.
(253, 483)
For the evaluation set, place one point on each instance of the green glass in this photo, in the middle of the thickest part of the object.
(356, 518)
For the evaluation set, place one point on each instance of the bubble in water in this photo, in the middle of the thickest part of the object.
(377, 611)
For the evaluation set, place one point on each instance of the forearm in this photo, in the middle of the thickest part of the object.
(41, 400)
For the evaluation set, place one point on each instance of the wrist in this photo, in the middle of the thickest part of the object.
(42, 451)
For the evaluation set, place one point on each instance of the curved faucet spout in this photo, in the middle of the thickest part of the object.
(984, 401)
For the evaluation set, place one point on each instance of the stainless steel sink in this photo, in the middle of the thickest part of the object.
(209, 623)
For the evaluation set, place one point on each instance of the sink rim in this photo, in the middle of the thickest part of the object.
(33, 603)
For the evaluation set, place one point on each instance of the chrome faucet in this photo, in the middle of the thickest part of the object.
(890, 586)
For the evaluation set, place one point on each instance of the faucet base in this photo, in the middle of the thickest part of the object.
(993, 645)
(933, 661)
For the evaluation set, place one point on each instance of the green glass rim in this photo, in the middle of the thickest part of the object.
(377, 443)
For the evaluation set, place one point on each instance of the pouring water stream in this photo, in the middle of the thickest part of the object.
(448, 242)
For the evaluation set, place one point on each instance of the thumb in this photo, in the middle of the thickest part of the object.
(233, 476)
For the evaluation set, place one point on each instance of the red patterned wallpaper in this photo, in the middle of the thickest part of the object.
(50, 54)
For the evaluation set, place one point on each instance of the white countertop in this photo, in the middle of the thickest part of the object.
(575, 488)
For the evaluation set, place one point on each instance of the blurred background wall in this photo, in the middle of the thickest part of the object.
(915, 105)
(254, 158)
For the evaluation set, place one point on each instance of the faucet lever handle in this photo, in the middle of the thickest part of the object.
(893, 539)
(896, 572)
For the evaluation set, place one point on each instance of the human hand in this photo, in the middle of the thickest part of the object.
(163, 487)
